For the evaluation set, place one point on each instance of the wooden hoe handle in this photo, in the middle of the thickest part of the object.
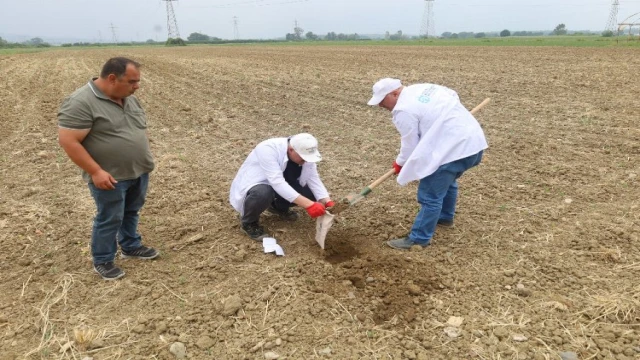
(373, 185)
(481, 105)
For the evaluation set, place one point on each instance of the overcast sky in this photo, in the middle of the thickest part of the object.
(140, 20)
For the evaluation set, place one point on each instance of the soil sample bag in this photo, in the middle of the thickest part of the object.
(323, 224)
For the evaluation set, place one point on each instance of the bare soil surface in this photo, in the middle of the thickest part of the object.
(543, 261)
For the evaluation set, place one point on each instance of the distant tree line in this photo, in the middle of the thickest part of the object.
(39, 43)
(35, 42)
(201, 38)
(332, 36)
(527, 33)
(296, 35)
(175, 42)
(503, 33)
(560, 29)
(397, 36)
(133, 43)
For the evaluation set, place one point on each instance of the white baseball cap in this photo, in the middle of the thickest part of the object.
(382, 88)
(306, 146)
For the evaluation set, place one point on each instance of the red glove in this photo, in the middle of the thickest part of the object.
(330, 204)
(316, 210)
(397, 167)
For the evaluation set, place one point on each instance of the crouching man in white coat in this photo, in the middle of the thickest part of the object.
(278, 173)
(440, 140)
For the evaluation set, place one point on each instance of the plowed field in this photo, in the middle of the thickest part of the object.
(544, 257)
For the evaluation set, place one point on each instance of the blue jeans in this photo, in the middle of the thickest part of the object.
(437, 195)
(117, 217)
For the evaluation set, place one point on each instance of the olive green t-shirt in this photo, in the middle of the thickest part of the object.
(117, 139)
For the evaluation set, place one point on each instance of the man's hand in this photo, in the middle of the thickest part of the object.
(316, 210)
(397, 167)
(330, 204)
(103, 180)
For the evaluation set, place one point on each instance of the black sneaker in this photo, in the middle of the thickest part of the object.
(143, 252)
(445, 223)
(288, 215)
(108, 271)
(254, 230)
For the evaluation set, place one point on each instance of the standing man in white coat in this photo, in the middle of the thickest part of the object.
(440, 140)
(279, 173)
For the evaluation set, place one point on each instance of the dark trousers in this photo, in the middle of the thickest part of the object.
(261, 196)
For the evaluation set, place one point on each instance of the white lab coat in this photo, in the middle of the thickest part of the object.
(435, 129)
(265, 165)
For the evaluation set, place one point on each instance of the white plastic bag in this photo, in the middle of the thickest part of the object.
(271, 245)
(323, 224)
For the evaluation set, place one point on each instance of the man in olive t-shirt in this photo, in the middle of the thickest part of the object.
(102, 128)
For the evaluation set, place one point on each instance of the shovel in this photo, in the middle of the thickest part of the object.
(351, 199)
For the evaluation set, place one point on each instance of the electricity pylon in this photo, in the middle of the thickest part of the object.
(612, 23)
(172, 24)
(113, 33)
(428, 20)
(236, 33)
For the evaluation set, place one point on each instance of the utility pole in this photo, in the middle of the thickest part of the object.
(613, 17)
(427, 28)
(236, 33)
(172, 24)
(113, 33)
